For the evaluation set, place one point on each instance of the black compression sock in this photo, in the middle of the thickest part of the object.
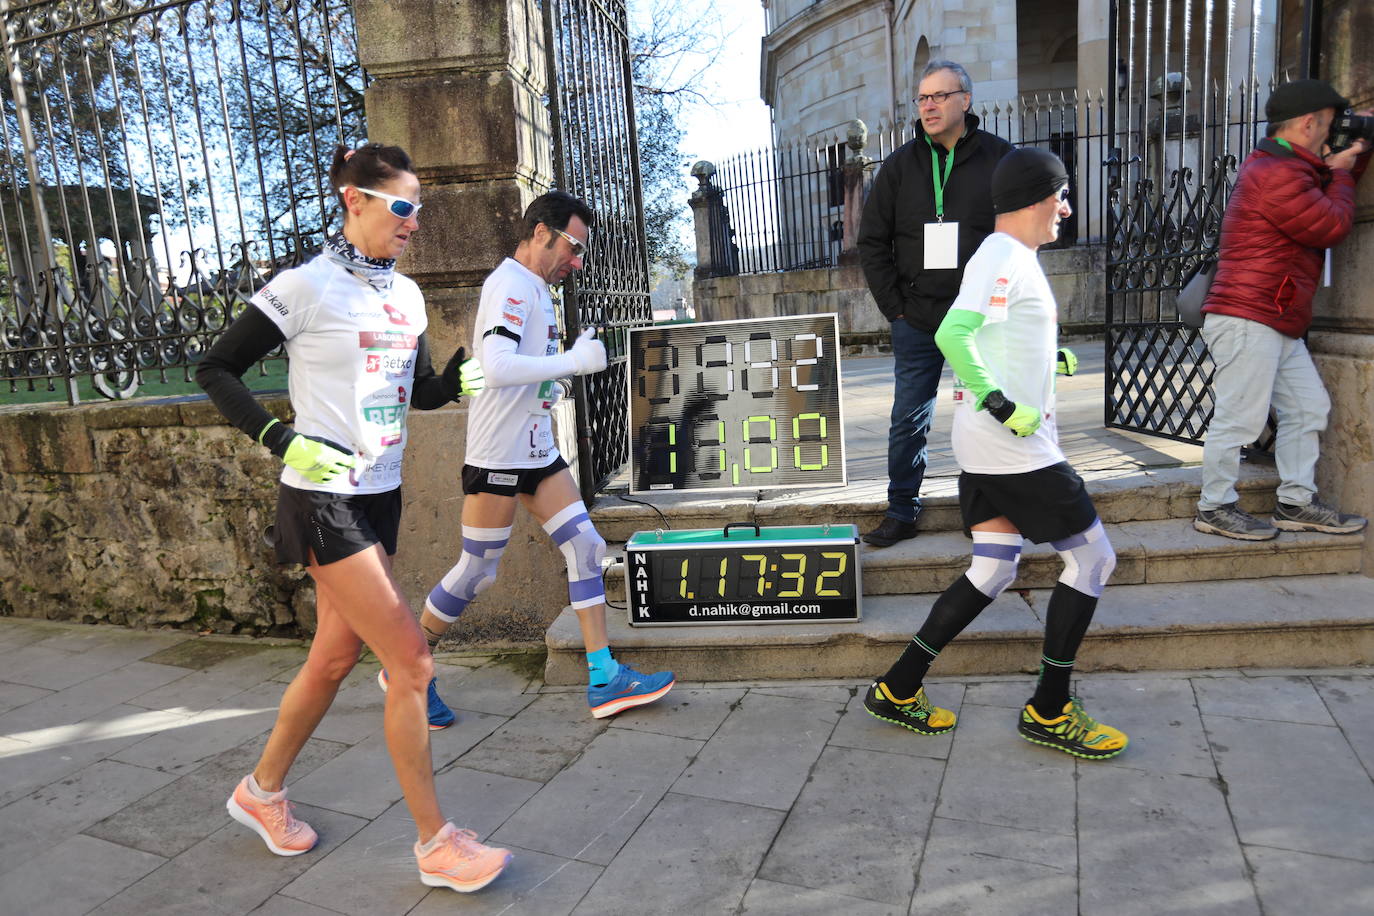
(954, 610)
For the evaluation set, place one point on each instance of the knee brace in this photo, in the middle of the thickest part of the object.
(473, 574)
(995, 555)
(583, 549)
(1088, 560)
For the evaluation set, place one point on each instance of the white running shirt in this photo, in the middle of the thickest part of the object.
(509, 424)
(1005, 284)
(352, 370)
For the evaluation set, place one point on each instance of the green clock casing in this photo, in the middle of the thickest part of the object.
(743, 574)
(723, 405)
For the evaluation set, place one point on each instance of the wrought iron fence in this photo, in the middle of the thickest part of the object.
(1187, 114)
(783, 207)
(596, 157)
(160, 160)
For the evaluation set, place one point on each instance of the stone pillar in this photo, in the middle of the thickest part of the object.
(704, 201)
(855, 168)
(1342, 338)
(1096, 77)
(459, 86)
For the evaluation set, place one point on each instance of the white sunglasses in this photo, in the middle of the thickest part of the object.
(399, 207)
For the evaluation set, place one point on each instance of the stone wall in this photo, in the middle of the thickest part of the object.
(1075, 276)
(142, 513)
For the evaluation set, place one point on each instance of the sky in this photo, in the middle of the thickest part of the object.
(739, 120)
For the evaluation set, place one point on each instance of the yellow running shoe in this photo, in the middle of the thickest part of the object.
(917, 714)
(1074, 732)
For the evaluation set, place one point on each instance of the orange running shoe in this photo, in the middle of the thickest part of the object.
(272, 820)
(458, 861)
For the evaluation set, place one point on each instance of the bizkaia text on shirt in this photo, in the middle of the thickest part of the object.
(273, 300)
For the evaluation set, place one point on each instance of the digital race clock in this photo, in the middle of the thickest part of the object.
(730, 404)
(743, 574)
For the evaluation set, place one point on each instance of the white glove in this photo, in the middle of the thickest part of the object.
(588, 354)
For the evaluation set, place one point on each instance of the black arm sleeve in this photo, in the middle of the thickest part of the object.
(431, 390)
(251, 337)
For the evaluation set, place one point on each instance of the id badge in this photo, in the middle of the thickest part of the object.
(942, 246)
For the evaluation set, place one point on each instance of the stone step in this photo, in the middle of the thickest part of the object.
(1121, 495)
(1158, 551)
(1294, 621)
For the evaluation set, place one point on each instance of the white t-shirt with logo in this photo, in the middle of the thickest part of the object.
(510, 426)
(1004, 283)
(352, 370)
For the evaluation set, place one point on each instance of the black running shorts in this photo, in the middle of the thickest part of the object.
(1048, 504)
(333, 526)
(510, 481)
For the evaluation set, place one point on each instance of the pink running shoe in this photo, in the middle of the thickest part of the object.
(272, 820)
(458, 861)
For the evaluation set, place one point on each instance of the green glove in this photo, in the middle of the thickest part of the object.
(318, 460)
(1023, 421)
(1065, 362)
(463, 376)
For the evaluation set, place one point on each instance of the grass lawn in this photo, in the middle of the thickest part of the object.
(152, 386)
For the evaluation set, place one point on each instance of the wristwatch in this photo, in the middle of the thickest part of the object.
(996, 403)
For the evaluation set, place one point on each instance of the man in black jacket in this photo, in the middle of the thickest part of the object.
(928, 211)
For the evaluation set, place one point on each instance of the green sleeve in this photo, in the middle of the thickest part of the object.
(955, 340)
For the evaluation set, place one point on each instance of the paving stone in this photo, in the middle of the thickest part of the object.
(543, 739)
(1135, 828)
(1296, 882)
(533, 884)
(838, 695)
(362, 780)
(204, 689)
(474, 800)
(90, 697)
(187, 810)
(771, 898)
(1350, 700)
(373, 871)
(53, 754)
(1161, 718)
(206, 734)
(996, 777)
(288, 906)
(13, 696)
(20, 632)
(858, 729)
(1275, 699)
(49, 884)
(977, 869)
(856, 802)
(355, 714)
(1006, 694)
(230, 872)
(762, 753)
(110, 647)
(51, 669)
(588, 811)
(1297, 787)
(495, 688)
(723, 841)
(35, 824)
(686, 712)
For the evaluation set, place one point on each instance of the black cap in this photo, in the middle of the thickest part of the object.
(1026, 176)
(1300, 97)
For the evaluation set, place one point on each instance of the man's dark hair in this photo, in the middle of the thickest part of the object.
(555, 210)
(366, 167)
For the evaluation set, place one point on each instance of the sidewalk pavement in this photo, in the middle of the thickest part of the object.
(1241, 792)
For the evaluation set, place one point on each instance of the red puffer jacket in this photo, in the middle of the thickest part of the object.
(1286, 209)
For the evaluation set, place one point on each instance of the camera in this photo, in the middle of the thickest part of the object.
(1347, 127)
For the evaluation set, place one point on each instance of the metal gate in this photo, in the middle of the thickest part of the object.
(1191, 77)
(596, 157)
(160, 159)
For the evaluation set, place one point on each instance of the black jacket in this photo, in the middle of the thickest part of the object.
(902, 201)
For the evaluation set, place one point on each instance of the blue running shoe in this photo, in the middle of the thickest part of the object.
(440, 716)
(626, 689)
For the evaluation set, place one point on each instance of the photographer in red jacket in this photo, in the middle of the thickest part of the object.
(1290, 204)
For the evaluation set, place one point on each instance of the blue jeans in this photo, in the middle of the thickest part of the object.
(918, 363)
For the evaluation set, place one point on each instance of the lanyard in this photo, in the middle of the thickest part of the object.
(938, 182)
